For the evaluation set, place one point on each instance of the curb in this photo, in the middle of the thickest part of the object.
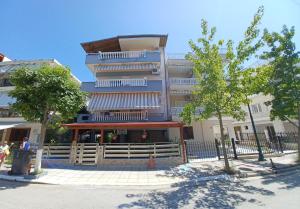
(270, 172)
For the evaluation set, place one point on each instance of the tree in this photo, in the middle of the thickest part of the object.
(219, 90)
(45, 95)
(284, 83)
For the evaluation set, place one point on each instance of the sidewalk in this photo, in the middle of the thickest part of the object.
(200, 171)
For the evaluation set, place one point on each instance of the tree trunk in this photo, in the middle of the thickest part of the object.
(299, 133)
(227, 167)
(39, 153)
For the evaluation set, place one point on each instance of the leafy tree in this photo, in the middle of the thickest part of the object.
(45, 95)
(219, 90)
(284, 83)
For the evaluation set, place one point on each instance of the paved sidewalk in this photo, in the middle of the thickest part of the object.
(253, 167)
(200, 171)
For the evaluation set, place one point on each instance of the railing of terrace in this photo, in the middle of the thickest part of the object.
(121, 55)
(121, 116)
(121, 82)
(183, 81)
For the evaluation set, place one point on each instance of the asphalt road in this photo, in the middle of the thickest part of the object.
(266, 192)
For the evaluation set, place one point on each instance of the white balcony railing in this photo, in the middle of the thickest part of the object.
(121, 116)
(121, 82)
(121, 55)
(175, 111)
(183, 81)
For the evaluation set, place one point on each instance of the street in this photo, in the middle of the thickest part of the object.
(258, 192)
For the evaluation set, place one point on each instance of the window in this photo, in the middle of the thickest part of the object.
(188, 132)
(256, 108)
(5, 82)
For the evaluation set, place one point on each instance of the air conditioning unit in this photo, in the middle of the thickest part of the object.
(155, 71)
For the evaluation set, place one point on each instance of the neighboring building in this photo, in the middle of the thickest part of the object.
(181, 81)
(261, 117)
(13, 127)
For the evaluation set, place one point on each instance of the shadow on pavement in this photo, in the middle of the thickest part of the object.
(4, 185)
(287, 180)
(222, 193)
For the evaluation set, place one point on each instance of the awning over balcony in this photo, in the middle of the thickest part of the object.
(121, 101)
(131, 67)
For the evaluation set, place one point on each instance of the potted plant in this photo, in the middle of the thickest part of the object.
(144, 135)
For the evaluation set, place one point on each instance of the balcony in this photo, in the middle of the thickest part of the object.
(176, 111)
(122, 85)
(123, 57)
(114, 116)
(182, 86)
(121, 82)
(121, 116)
(183, 81)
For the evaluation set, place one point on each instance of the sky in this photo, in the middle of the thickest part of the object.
(35, 29)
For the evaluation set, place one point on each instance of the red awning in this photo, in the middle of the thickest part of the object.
(125, 125)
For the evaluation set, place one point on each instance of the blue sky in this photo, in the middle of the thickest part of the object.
(35, 29)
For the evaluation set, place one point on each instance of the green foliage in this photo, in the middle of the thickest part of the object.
(284, 83)
(220, 77)
(46, 94)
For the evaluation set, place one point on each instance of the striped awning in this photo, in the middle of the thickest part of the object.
(121, 101)
(135, 67)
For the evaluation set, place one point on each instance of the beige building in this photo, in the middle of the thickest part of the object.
(180, 83)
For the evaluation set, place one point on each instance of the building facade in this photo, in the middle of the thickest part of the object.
(13, 128)
(135, 81)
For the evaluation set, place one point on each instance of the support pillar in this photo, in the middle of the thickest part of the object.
(73, 152)
(102, 136)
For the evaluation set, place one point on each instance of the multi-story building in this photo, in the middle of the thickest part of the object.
(12, 126)
(181, 81)
(130, 84)
(136, 82)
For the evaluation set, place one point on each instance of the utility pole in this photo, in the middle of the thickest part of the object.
(260, 154)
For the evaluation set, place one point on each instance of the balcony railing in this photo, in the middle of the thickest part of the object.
(121, 82)
(180, 91)
(175, 111)
(120, 116)
(183, 81)
(121, 55)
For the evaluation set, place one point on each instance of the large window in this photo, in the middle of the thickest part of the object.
(5, 82)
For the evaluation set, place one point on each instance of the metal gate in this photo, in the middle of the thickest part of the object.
(197, 150)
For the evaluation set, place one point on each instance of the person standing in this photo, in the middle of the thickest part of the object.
(4, 152)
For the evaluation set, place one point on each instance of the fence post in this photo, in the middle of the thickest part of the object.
(234, 148)
(280, 143)
(218, 149)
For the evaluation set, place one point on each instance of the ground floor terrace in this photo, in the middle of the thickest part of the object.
(132, 143)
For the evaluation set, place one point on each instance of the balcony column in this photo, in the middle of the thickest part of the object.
(102, 136)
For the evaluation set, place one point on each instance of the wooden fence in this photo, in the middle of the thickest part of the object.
(93, 153)
(141, 150)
